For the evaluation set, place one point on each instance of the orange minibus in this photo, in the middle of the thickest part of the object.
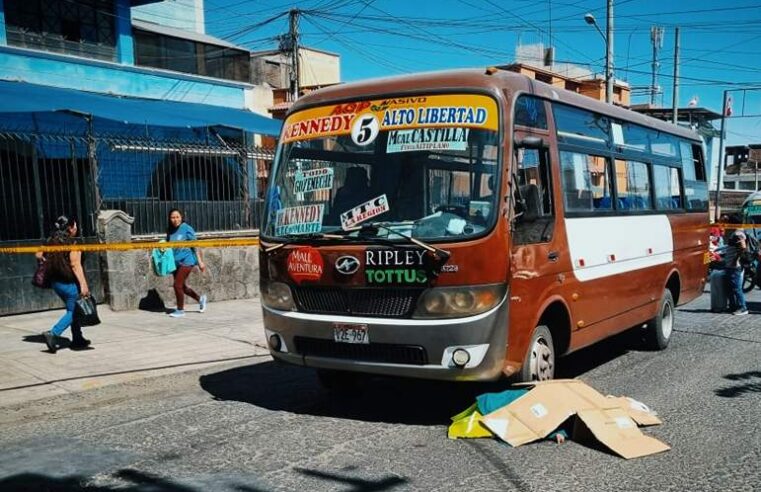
(472, 225)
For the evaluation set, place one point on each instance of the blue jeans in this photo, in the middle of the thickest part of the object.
(736, 296)
(68, 292)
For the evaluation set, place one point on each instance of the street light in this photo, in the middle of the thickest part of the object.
(590, 19)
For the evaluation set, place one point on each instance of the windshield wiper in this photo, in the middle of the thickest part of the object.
(290, 238)
(373, 228)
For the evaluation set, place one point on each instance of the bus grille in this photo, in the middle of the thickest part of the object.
(387, 303)
(372, 352)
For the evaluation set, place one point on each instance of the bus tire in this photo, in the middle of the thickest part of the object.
(339, 382)
(539, 363)
(658, 330)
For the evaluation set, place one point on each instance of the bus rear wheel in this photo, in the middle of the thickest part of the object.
(658, 330)
(539, 364)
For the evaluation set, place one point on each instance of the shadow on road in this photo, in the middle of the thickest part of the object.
(749, 382)
(282, 387)
(584, 360)
(357, 484)
(136, 482)
(753, 307)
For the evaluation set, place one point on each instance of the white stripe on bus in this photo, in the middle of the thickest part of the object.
(604, 246)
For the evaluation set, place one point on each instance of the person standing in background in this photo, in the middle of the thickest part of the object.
(737, 244)
(185, 259)
(68, 281)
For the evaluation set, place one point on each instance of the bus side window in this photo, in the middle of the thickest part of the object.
(534, 223)
(586, 182)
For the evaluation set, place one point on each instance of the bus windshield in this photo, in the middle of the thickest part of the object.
(426, 167)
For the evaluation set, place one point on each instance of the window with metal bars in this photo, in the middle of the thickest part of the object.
(84, 28)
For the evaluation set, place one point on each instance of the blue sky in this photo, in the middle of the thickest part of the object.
(720, 41)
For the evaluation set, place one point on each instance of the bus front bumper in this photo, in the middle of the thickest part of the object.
(307, 340)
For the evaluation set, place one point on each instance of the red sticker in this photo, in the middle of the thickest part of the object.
(305, 264)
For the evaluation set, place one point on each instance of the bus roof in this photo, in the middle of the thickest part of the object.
(479, 79)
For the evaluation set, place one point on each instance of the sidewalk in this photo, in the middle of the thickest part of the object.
(126, 346)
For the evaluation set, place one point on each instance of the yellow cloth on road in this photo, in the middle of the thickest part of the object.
(467, 424)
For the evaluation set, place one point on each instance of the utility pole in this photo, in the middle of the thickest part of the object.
(293, 34)
(609, 55)
(656, 36)
(675, 100)
(724, 108)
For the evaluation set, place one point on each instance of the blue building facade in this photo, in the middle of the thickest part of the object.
(99, 56)
(100, 112)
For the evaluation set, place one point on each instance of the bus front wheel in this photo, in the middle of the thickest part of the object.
(659, 329)
(539, 364)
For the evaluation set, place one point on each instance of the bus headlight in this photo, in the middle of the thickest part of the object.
(277, 295)
(454, 302)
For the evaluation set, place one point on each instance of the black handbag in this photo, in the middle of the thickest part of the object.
(41, 278)
(86, 311)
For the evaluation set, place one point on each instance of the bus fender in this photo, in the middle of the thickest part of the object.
(674, 284)
(561, 334)
(518, 345)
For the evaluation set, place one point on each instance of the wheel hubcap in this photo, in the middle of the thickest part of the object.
(542, 361)
(667, 320)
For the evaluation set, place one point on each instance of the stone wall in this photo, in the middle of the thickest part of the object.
(130, 283)
(18, 295)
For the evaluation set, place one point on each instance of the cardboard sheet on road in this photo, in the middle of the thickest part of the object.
(549, 404)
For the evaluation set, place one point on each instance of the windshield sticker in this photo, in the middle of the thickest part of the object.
(305, 219)
(366, 211)
(313, 180)
(395, 266)
(305, 264)
(427, 139)
(363, 120)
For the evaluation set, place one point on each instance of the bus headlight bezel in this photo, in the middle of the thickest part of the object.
(458, 302)
(278, 295)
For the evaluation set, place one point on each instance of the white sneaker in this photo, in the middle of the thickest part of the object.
(202, 302)
(177, 313)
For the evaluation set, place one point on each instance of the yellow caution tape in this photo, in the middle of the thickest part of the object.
(737, 226)
(201, 243)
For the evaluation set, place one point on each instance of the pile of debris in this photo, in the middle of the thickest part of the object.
(556, 410)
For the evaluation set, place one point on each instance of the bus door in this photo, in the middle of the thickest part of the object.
(537, 255)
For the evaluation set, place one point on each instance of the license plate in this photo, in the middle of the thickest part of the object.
(350, 333)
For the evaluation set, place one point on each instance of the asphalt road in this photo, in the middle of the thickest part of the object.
(262, 427)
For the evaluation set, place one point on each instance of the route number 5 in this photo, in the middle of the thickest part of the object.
(364, 130)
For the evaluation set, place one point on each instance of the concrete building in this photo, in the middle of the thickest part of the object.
(529, 61)
(317, 68)
(136, 48)
(741, 163)
(115, 111)
(187, 15)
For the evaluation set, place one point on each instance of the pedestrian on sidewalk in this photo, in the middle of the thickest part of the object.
(186, 259)
(737, 245)
(67, 277)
